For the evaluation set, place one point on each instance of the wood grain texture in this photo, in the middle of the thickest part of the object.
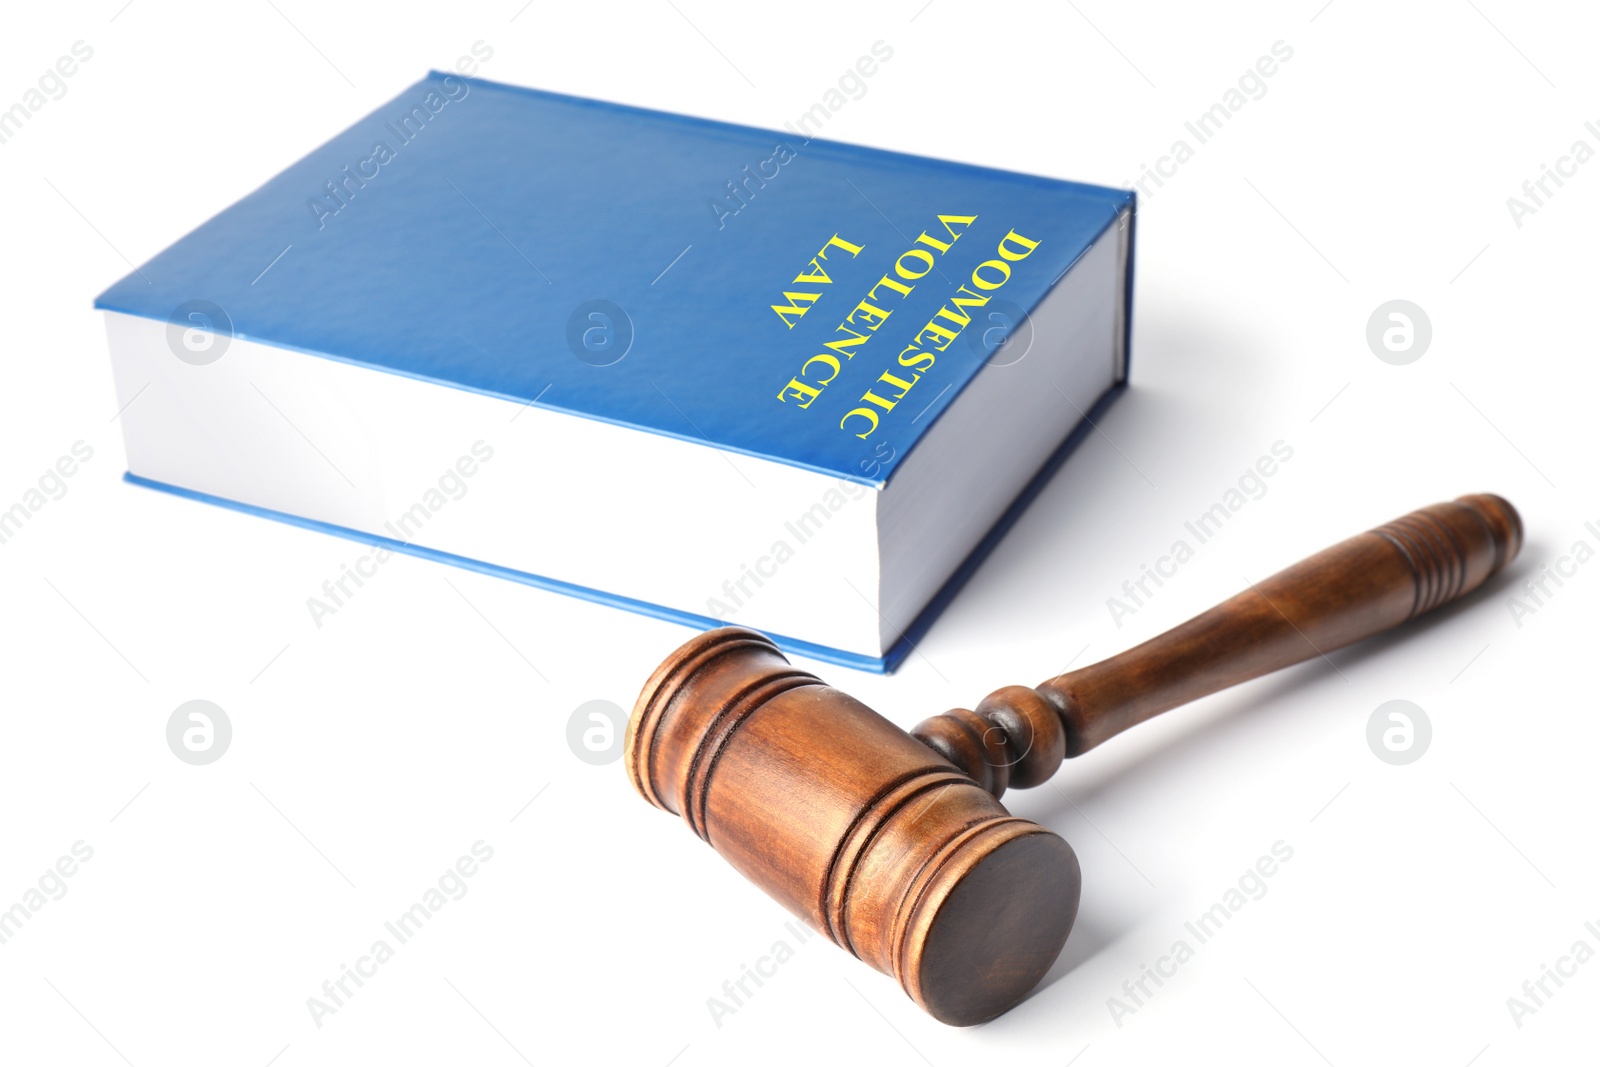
(866, 834)
(1359, 587)
(896, 846)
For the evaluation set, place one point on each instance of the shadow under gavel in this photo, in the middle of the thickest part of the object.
(896, 845)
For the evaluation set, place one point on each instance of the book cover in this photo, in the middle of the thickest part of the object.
(752, 293)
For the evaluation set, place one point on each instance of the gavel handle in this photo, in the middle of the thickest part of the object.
(1357, 588)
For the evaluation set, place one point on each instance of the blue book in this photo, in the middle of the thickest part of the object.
(711, 373)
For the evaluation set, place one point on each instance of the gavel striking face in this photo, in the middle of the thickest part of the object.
(896, 845)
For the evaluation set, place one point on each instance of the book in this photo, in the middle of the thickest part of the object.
(708, 372)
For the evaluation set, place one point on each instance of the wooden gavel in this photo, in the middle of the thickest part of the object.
(896, 846)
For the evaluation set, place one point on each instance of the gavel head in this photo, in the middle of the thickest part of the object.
(861, 830)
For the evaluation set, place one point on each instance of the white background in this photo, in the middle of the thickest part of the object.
(371, 753)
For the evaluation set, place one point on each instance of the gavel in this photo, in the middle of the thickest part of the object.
(895, 845)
